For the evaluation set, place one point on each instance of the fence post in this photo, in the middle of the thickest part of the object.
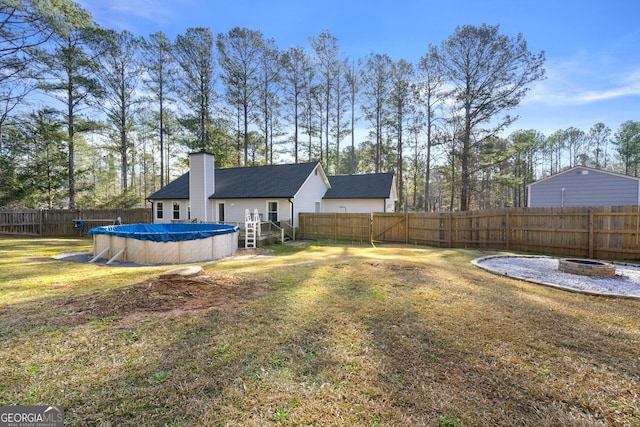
(406, 228)
(450, 230)
(371, 227)
(591, 238)
(507, 229)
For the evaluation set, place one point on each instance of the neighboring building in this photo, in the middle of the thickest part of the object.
(584, 186)
(374, 192)
(278, 192)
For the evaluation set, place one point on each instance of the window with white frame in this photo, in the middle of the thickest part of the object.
(272, 211)
(220, 211)
(176, 210)
(159, 210)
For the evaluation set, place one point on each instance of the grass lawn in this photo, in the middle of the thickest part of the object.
(329, 334)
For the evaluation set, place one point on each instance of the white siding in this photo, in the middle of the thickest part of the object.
(309, 194)
(167, 211)
(235, 209)
(584, 187)
(354, 205)
(391, 205)
(201, 185)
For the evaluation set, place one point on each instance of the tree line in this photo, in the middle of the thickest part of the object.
(93, 117)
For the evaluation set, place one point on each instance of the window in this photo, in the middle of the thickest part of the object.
(176, 210)
(159, 208)
(221, 212)
(272, 211)
(317, 207)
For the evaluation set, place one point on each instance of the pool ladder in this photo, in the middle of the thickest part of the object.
(251, 228)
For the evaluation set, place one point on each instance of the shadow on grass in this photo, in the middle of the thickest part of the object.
(345, 336)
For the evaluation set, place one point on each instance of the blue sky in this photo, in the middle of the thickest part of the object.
(592, 46)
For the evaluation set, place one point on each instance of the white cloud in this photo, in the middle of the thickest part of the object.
(585, 79)
(125, 14)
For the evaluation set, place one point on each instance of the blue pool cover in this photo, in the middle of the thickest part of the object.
(165, 232)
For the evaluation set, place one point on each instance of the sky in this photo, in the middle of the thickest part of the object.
(592, 47)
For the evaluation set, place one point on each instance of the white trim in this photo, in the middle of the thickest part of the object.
(161, 210)
(173, 210)
(313, 173)
(224, 211)
(268, 211)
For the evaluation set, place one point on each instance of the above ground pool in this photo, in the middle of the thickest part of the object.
(164, 243)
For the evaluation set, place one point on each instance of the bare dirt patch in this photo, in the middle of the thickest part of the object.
(396, 267)
(164, 295)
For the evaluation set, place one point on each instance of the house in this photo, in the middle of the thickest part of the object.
(278, 192)
(584, 186)
(374, 192)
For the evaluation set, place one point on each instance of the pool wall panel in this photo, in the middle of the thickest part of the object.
(150, 252)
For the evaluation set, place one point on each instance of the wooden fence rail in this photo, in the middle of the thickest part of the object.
(60, 222)
(595, 232)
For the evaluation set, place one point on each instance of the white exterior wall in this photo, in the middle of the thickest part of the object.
(354, 205)
(390, 205)
(167, 211)
(310, 193)
(234, 209)
(201, 185)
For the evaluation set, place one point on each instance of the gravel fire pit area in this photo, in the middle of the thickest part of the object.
(623, 282)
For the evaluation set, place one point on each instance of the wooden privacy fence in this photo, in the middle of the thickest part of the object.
(60, 222)
(595, 232)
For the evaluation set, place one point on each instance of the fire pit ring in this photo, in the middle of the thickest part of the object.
(586, 267)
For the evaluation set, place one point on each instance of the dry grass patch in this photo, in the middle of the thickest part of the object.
(323, 335)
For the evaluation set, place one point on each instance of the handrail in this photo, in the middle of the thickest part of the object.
(283, 229)
(292, 232)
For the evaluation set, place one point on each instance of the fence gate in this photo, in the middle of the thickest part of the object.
(390, 227)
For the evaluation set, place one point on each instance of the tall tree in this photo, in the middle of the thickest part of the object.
(308, 113)
(325, 46)
(341, 98)
(25, 26)
(194, 54)
(296, 66)
(44, 169)
(574, 141)
(239, 57)
(119, 72)
(627, 142)
(554, 147)
(430, 97)
(10, 161)
(376, 78)
(400, 98)
(525, 146)
(599, 137)
(160, 80)
(70, 75)
(269, 77)
(452, 129)
(490, 74)
(351, 77)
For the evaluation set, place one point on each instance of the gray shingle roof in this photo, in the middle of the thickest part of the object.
(177, 189)
(368, 186)
(270, 181)
(275, 181)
